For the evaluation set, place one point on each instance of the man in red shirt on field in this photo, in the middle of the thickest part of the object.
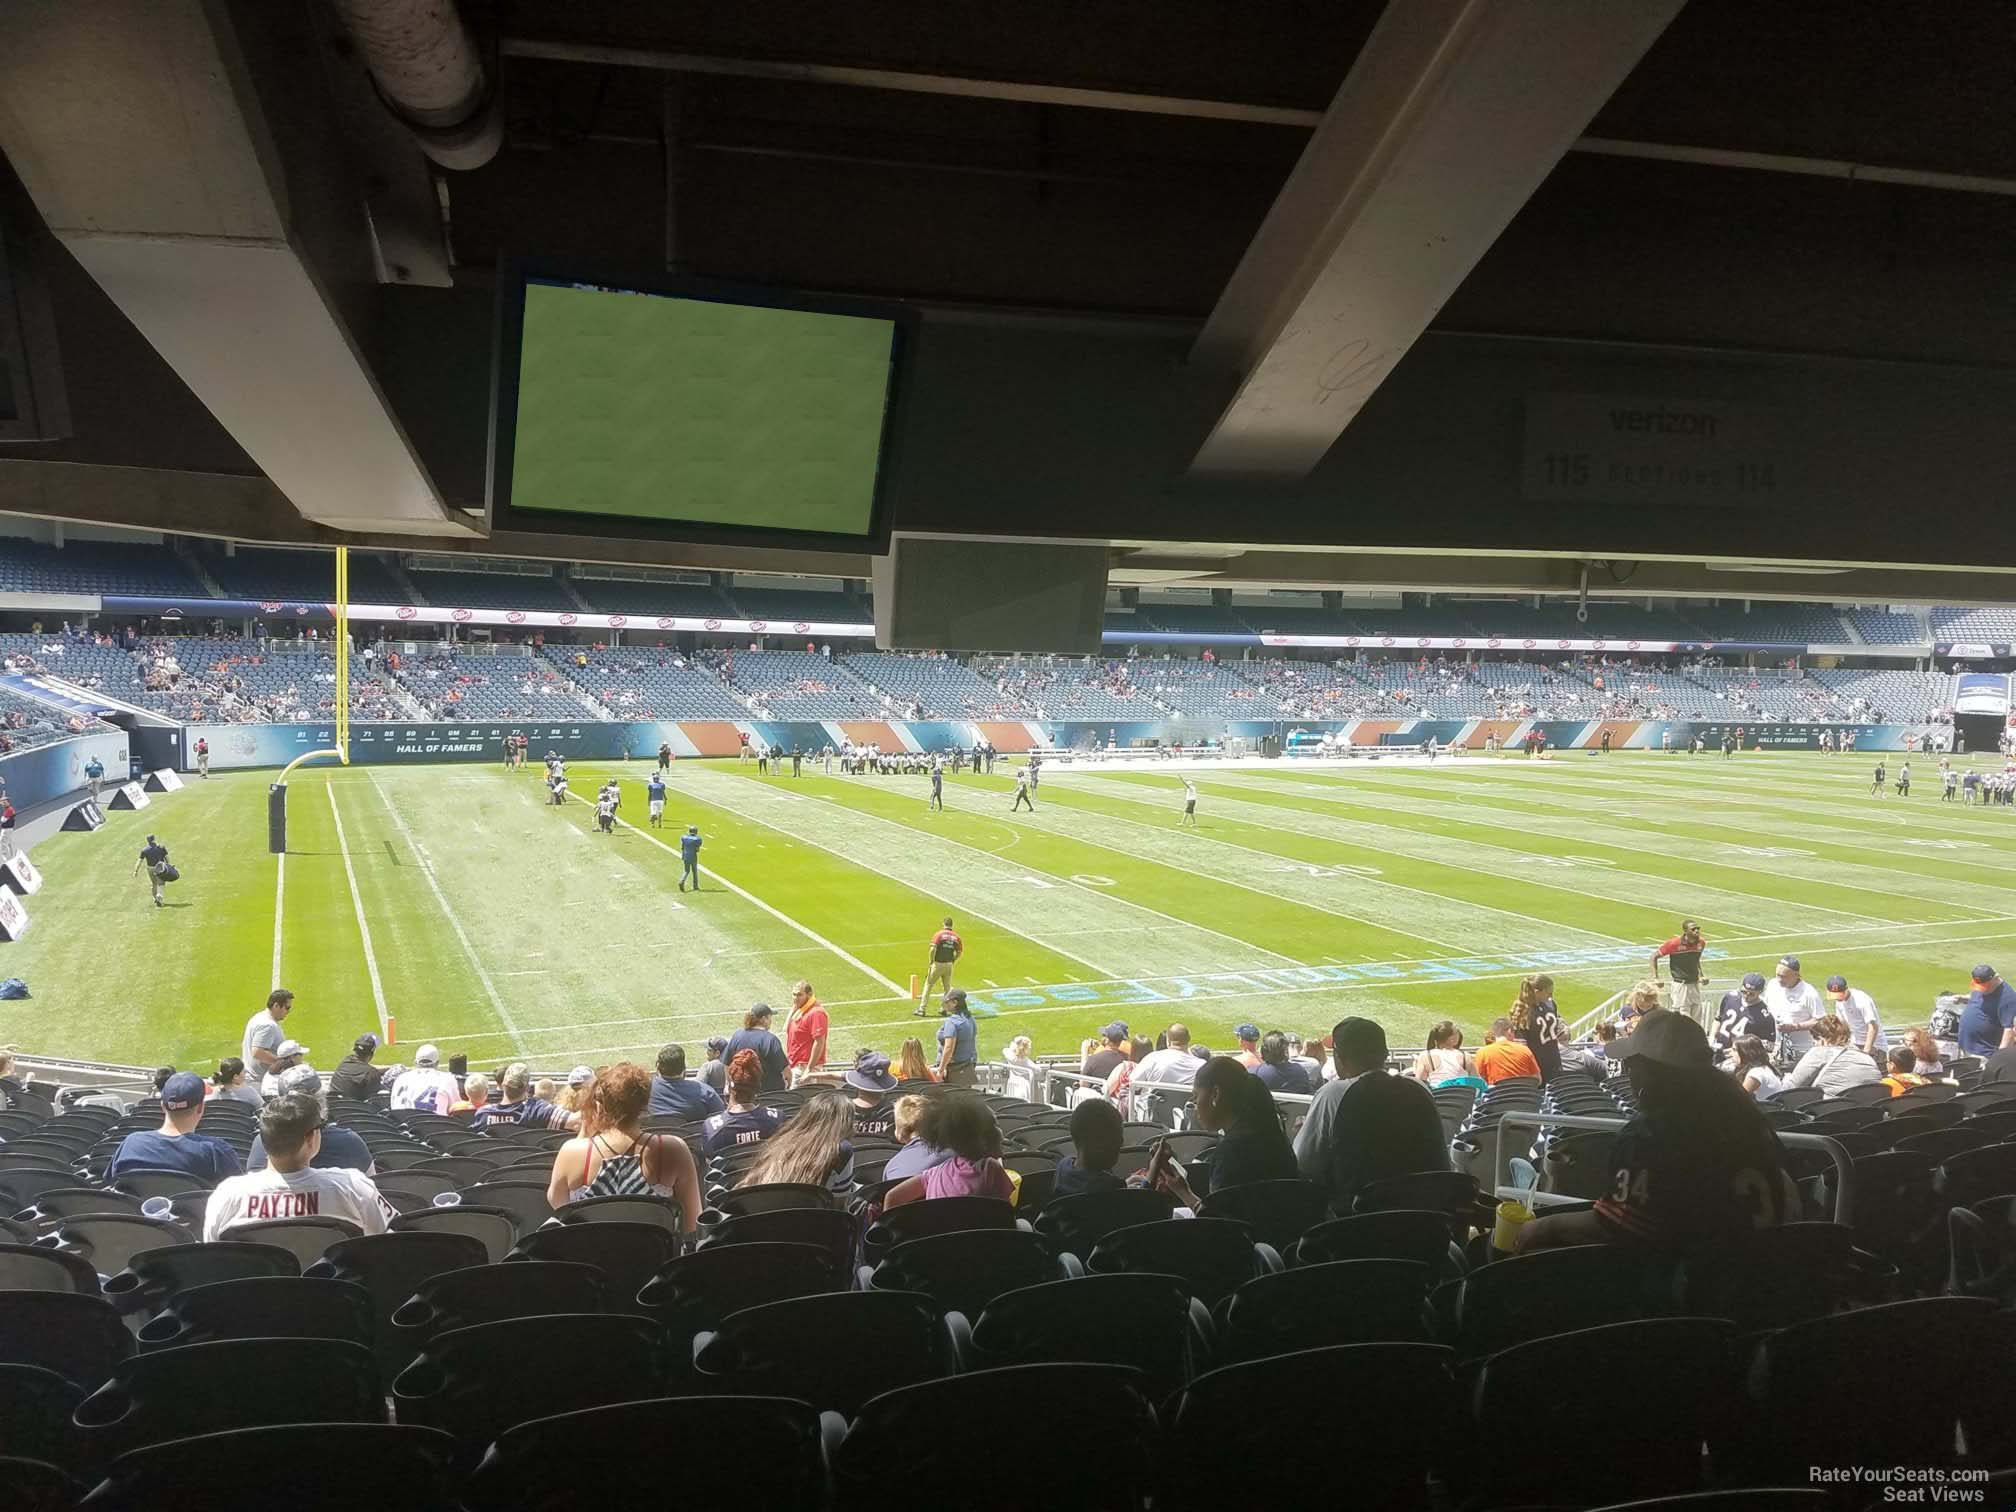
(946, 948)
(805, 1030)
(1683, 955)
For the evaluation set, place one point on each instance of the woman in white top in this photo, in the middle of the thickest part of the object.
(1021, 1080)
(1833, 1065)
(613, 1158)
(229, 1083)
(1444, 1059)
(1753, 1068)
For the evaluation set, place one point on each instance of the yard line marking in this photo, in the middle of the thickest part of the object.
(363, 928)
(990, 982)
(279, 900)
(541, 971)
(454, 923)
(776, 913)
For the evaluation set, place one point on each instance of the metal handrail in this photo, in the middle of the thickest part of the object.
(1844, 1164)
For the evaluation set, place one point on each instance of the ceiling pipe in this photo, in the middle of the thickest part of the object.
(430, 75)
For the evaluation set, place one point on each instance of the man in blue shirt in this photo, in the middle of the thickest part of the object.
(340, 1147)
(176, 1146)
(958, 1054)
(1988, 1022)
(689, 857)
(674, 1095)
(94, 773)
(654, 799)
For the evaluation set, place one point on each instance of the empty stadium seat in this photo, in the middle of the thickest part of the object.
(836, 1234)
(1212, 1256)
(1278, 1213)
(262, 1307)
(36, 1406)
(153, 1276)
(109, 1241)
(493, 1293)
(627, 1254)
(834, 1350)
(492, 1227)
(964, 1270)
(76, 1335)
(694, 1292)
(1077, 1223)
(392, 1267)
(1393, 1234)
(1317, 1306)
(1148, 1322)
(409, 1464)
(26, 1267)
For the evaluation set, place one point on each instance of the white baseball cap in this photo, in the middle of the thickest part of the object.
(427, 1055)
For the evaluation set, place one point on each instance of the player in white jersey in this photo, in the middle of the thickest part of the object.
(1189, 804)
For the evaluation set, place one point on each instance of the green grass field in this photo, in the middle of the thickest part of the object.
(454, 900)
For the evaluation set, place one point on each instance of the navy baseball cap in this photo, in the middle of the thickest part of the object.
(1754, 980)
(1114, 1030)
(1984, 973)
(365, 1044)
(1837, 985)
(1790, 962)
(717, 1042)
(1246, 1032)
(182, 1091)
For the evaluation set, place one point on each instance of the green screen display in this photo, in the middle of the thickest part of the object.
(655, 407)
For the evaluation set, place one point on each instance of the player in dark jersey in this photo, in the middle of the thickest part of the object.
(664, 755)
(1876, 785)
(937, 784)
(154, 856)
(1696, 1166)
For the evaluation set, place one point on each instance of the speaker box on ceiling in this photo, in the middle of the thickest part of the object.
(937, 593)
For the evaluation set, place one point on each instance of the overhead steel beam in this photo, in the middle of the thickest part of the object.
(1450, 118)
(139, 130)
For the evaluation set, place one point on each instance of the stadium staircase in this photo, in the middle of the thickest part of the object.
(399, 575)
(574, 594)
(197, 570)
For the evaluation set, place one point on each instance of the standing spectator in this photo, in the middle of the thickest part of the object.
(1019, 1056)
(814, 1149)
(805, 1031)
(230, 1085)
(1833, 1064)
(292, 1185)
(965, 1125)
(1795, 1006)
(869, 1080)
(755, 1035)
(1683, 953)
(674, 1096)
(1744, 1013)
(1696, 1164)
(615, 1158)
(958, 1042)
(1858, 1011)
(1252, 1146)
(1277, 1073)
(1367, 1125)
(263, 1034)
(1504, 1057)
(426, 1087)
(176, 1146)
(339, 1147)
(1754, 1070)
(911, 1065)
(1248, 1053)
(355, 1077)
(1537, 1022)
(1096, 1141)
(746, 1121)
(1988, 1022)
(715, 1072)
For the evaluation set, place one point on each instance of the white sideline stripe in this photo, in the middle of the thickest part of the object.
(776, 913)
(454, 923)
(279, 912)
(967, 909)
(363, 927)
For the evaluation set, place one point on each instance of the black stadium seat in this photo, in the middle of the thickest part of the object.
(391, 1267)
(1148, 1322)
(1523, 1297)
(965, 1270)
(1212, 1256)
(36, 1405)
(492, 1227)
(1394, 1234)
(834, 1350)
(406, 1466)
(31, 1267)
(837, 1234)
(493, 1293)
(1277, 1212)
(37, 1486)
(1316, 1306)
(79, 1337)
(262, 1307)
(153, 1276)
(694, 1292)
(627, 1254)
(1077, 1223)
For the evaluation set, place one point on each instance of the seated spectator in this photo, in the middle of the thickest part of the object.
(911, 1065)
(1504, 1055)
(1313, 1056)
(1252, 1145)
(1644, 999)
(614, 1158)
(1276, 1071)
(1753, 1068)
(11, 1085)
(1696, 1164)
(1366, 1125)
(755, 1035)
(870, 1082)
(340, 1147)
(573, 1097)
(915, 1156)
(1903, 1075)
(1931, 1064)
(1107, 1054)
(475, 1094)
(1096, 1141)
(964, 1125)
(176, 1146)
(673, 1095)
(290, 1054)
(1445, 1059)
(517, 1103)
(424, 1086)
(291, 1185)
(715, 1073)
(355, 1076)
(1248, 1053)
(1122, 1076)
(1173, 1065)
(745, 1120)
(1018, 1055)
(814, 1149)
(230, 1083)
(1833, 1065)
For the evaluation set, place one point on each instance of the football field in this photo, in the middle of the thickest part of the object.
(458, 903)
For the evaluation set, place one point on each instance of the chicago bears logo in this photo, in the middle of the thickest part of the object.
(460, 614)
(407, 612)
(618, 621)
(269, 606)
(712, 624)
(569, 617)
(515, 616)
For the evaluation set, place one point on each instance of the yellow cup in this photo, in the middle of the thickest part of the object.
(1511, 1214)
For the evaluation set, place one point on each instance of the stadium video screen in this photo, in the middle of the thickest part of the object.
(686, 412)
